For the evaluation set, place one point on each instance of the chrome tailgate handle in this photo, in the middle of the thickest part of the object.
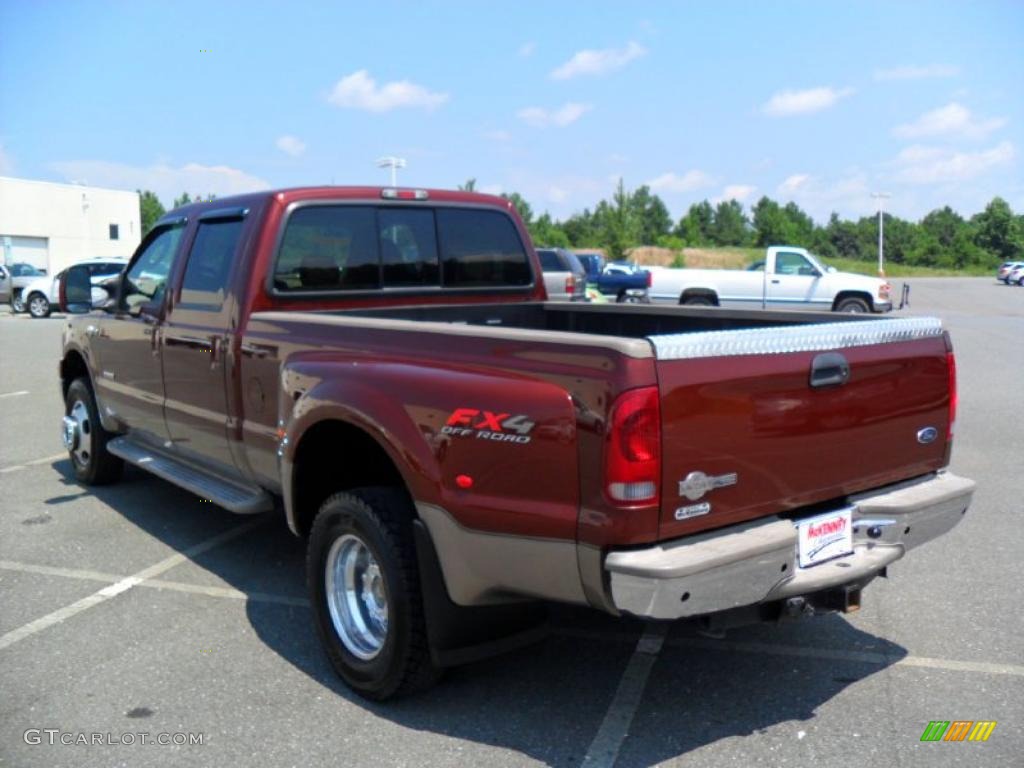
(829, 369)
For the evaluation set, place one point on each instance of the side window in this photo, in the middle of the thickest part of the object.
(328, 247)
(549, 261)
(787, 263)
(105, 269)
(209, 264)
(480, 249)
(147, 278)
(408, 247)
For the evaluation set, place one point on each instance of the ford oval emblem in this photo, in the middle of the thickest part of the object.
(927, 435)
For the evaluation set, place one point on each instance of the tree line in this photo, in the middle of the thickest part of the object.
(943, 238)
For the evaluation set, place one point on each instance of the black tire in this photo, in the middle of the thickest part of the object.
(100, 467)
(380, 519)
(38, 306)
(854, 305)
(17, 303)
(697, 301)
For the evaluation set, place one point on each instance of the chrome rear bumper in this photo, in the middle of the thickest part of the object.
(757, 562)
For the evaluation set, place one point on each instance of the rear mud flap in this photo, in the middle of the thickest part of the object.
(461, 635)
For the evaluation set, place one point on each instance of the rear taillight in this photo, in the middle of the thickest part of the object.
(570, 284)
(632, 450)
(650, 278)
(953, 396)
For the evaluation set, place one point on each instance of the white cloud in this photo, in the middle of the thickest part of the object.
(931, 165)
(165, 180)
(738, 192)
(793, 183)
(785, 103)
(6, 164)
(557, 195)
(539, 117)
(917, 72)
(526, 49)
(954, 119)
(360, 91)
(497, 135)
(291, 145)
(673, 182)
(598, 62)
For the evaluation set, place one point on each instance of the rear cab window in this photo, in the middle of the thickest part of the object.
(327, 248)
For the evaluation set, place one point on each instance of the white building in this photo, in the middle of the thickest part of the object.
(52, 225)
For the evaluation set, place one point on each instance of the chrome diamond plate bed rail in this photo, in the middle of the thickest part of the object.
(797, 338)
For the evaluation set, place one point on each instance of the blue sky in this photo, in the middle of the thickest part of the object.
(821, 103)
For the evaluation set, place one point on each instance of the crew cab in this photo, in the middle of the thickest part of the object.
(623, 281)
(787, 278)
(382, 366)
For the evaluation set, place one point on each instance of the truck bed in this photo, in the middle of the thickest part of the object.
(733, 385)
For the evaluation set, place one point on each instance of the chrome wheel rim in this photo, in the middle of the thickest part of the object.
(18, 304)
(357, 597)
(38, 306)
(78, 433)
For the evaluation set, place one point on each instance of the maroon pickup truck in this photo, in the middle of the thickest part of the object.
(382, 365)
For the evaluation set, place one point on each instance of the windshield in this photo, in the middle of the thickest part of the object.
(25, 270)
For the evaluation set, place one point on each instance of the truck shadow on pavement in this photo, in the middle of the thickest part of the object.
(545, 702)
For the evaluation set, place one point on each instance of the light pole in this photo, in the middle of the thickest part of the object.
(394, 163)
(880, 196)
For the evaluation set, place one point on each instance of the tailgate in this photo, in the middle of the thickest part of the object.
(741, 403)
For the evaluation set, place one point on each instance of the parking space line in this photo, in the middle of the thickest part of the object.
(828, 654)
(34, 462)
(14, 394)
(112, 590)
(604, 749)
(176, 586)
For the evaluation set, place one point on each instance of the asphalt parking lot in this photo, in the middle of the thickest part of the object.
(139, 608)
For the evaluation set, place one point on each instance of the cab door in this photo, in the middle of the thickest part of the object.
(793, 283)
(124, 343)
(196, 340)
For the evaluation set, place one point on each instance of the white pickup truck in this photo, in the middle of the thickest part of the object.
(788, 278)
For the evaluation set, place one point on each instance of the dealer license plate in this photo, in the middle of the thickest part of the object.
(825, 537)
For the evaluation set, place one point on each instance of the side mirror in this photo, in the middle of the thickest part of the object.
(77, 295)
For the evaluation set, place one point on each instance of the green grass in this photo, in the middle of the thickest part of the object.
(903, 270)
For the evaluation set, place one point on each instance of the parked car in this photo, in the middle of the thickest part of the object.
(1015, 276)
(1003, 273)
(40, 294)
(457, 450)
(788, 278)
(565, 279)
(618, 279)
(16, 277)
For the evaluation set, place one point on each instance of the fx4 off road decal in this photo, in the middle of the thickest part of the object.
(487, 425)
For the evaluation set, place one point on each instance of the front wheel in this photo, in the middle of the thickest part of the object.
(17, 303)
(38, 306)
(364, 587)
(86, 439)
(856, 306)
(697, 301)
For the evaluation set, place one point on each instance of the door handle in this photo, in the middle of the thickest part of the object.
(203, 343)
(256, 350)
(775, 282)
(92, 331)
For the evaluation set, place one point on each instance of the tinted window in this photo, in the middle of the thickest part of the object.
(408, 247)
(209, 263)
(549, 261)
(147, 278)
(25, 270)
(480, 249)
(105, 269)
(330, 247)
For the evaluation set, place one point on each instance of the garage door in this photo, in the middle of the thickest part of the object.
(27, 250)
